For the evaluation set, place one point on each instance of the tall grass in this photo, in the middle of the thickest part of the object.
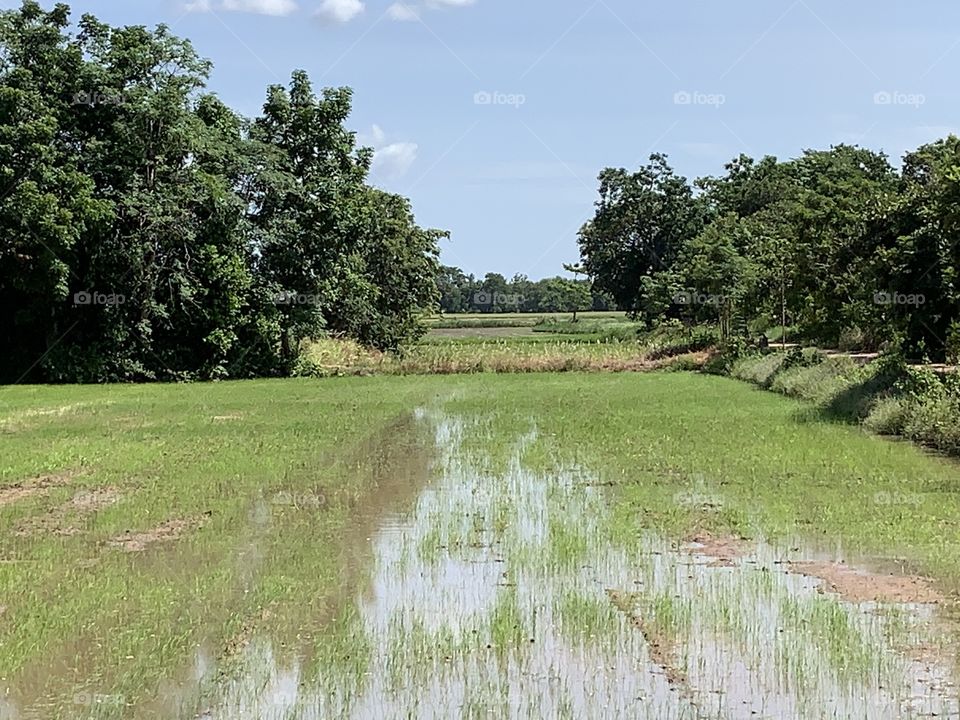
(328, 357)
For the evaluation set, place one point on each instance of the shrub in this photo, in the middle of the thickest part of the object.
(758, 369)
(888, 416)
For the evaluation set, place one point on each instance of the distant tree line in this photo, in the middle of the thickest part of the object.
(148, 231)
(461, 293)
(837, 243)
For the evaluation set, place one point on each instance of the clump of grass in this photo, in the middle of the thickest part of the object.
(888, 416)
(933, 421)
(816, 382)
(758, 369)
(324, 357)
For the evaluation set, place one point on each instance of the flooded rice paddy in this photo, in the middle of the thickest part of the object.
(496, 591)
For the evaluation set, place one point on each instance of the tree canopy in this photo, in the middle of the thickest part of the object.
(838, 241)
(148, 231)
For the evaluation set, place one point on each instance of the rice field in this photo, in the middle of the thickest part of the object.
(657, 545)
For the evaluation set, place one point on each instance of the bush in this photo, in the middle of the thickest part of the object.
(888, 416)
(933, 421)
(758, 369)
(852, 339)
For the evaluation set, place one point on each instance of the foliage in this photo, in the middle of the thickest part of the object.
(462, 293)
(836, 243)
(150, 232)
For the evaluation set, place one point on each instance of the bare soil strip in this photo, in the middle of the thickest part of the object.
(167, 531)
(56, 521)
(662, 651)
(857, 585)
(40, 485)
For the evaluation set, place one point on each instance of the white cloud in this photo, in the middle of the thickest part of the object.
(390, 160)
(260, 7)
(394, 160)
(339, 11)
(402, 12)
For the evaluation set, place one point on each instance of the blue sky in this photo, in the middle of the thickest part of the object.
(495, 117)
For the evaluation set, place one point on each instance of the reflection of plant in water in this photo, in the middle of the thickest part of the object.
(490, 600)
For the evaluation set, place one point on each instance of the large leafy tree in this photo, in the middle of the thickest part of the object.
(149, 232)
(915, 254)
(642, 221)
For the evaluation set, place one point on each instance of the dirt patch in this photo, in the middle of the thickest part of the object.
(857, 585)
(56, 521)
(241, 640)
(663, 651)
(40, 485)
(227, 418)
(165, 532)
(725, 550)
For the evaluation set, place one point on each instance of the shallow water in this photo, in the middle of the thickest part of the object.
(483, 589)
(504, 595)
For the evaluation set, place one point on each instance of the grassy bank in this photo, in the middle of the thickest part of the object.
(885, 396)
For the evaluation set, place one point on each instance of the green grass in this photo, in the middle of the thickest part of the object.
(479, 320)
(290, 478)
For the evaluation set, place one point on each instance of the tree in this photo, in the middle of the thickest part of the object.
(642, 221)
(149, 232)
